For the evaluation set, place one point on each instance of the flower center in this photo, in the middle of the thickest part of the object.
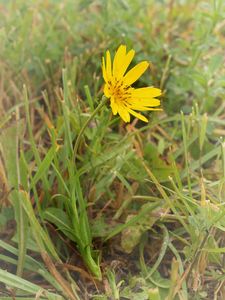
(119, 90)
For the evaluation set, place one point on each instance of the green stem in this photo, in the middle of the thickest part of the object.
(76, 146)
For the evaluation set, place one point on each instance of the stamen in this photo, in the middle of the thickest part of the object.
(119, 90)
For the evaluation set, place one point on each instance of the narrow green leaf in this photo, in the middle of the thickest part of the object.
(32, 141)
(202, 127)
(14, 281)
(9, 141)
(133, 220)
(44, 165)
(89, 98)
(60, 219)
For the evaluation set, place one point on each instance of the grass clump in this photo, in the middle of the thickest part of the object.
(138, 212)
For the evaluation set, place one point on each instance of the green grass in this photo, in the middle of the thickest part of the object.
(138, 212)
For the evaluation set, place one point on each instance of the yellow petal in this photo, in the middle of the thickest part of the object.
(144, 102)
(124, 113)
(146, 92)
(137, 115)
(108, 65)
(106, 91)
(135, 72)
(104, 70)
(114, 106)
(125, 63)
(118, 60)
(143, 108)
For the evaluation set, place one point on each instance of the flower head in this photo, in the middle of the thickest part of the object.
(124, 99)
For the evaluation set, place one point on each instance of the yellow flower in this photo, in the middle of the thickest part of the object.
(124, 99)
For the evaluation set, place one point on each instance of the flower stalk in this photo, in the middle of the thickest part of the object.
(97, 109)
